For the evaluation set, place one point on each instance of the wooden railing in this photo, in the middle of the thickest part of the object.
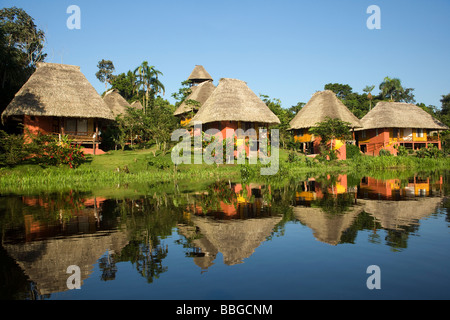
(80, 137)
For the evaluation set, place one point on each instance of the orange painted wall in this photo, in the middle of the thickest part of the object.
(43, 125)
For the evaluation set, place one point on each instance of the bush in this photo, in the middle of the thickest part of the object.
(430, 152)
(159, 161)
(352, 151)
(50, 151)
(12, 149)
(384, 153)
(401, 151)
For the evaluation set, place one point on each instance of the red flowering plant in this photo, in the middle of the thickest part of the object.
(50, 151)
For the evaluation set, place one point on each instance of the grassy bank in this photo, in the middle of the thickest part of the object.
(140, 171)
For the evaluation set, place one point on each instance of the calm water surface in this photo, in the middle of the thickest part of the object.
(311, 239)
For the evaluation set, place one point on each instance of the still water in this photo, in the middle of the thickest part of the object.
(312, 239)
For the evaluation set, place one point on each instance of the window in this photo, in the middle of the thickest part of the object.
(71, 126)
(376, 132)
(419, 133)
(395, 133)
(82, 127)
(300, 133)
(363, 134)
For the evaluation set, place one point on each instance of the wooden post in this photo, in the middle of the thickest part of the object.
(95, 137)
(62, 126)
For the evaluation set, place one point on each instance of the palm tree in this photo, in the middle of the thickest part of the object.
(147, 80)
(391, 89)
(369, 89)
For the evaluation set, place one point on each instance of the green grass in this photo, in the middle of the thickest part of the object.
(140, 172)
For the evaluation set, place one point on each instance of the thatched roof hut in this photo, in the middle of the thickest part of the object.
(397, 215)
(233, 100)
(327, 227)
(58, 90)
(137, 105)
(199, 74)
(199, 93)
(400, 115)
(323, 104)
(235, 239)
(45, 261)
(116, 102)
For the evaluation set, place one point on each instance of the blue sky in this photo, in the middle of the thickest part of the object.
(284, 49)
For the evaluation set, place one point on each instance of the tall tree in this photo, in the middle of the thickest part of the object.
(105, 72)
(21, 48)
(330, 130)
(148, 80)
(391, 89)
(445, 108)
(342, 91)
(368, 90)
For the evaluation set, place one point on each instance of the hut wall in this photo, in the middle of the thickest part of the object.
(35, 125)
(341, 150)
(375, 140)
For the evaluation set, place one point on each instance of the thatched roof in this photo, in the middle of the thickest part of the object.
(45, 261)
(137, 105)
(236, 239)
(199, 93)
(199, 73)
(327, 227)
(116, 102)
(323, 104)
(58, 90)
(233, 100)
(396, 215)
(400, 115)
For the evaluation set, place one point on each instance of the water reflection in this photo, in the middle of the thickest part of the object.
(43, 235)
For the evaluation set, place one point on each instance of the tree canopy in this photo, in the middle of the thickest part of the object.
(21, 48)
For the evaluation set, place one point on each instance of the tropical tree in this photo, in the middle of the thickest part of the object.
(105, 72)
(21, 48)
(392, 90)
(285, 116)
(125, 83)
(368, 90)
(329, 130)
(147, 80)
(357, 103)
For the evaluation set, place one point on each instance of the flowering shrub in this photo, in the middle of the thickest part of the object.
(61, 154)
(50, 151)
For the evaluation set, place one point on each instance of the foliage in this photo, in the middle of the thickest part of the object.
(21, 48)
(391, 89)
(12, 150)
(384, 153)
(136, 128)
(40, 149)
(285, 116)
(182, 93)
(431, 152)
(331, 129)
(159, 162)
(47, 150)
(352, 151)
(358, 104)
(105, 71)
(148, 82)
(401, 151)
(124, 83)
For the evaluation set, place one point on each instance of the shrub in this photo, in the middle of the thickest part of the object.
(12, 149)
(430, 152)
(50, 151)
(384, 153)
(159, 162)
(352, 151)
(401, 151)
